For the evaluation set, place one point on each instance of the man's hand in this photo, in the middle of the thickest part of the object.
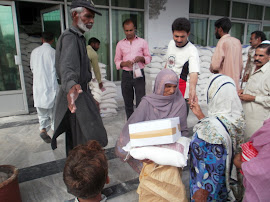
(212, 70)
(245, 78)
(126, 64)
(247, 97)
(237, 160)
(100, 85)
(139, 59)
(240, 92)
(72, 96)
(192, 97)
(147, 161)
(196, 109)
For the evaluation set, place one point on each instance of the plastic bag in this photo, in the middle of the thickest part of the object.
(137, 73)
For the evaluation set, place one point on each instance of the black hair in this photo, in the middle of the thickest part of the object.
(265, 46)
(224, 23)
(181, 24)
(259, 34)
(93, 40)
(47, 36)
(127, 21)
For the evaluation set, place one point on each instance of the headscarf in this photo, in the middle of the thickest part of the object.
(225, 121)
(256, 171)
(152, 107)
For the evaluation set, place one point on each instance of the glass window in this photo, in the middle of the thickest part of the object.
(199, 6)
(118, 16)
(128, 3)
(238, 30)
(255, 12)
(101, 2)
(239, 10)
(267, 13)
(198, 32)
(9, 71)
(220, 7)
(266, 30)
(98, 2)
(212, 37)
(251, 28)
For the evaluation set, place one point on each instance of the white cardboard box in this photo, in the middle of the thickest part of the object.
(161, 131)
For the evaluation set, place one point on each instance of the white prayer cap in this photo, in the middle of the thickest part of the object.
(266, 42)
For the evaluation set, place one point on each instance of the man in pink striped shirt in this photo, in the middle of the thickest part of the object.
(129, 51)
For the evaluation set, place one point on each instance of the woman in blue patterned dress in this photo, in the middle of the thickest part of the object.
(217, 137)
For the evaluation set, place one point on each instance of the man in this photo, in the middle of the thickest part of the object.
(129, 51)
(91, 162)
(93, 46)
(227, 58)
(80, 120)
(256, 39)
(182, 57)
(255, 96)
(45, 85)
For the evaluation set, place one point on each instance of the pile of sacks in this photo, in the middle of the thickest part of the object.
(205, 53)
(106, 96)
(28, 44)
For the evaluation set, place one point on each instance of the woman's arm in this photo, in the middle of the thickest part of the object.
(196, 109)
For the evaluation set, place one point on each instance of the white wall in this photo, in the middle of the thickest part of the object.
(263, 2)
(159, 30)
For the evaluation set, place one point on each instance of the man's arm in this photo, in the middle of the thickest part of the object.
(70, 69)
(94, 62)
(193, 78)
(217, 59)
(194, 69)
(146, 58)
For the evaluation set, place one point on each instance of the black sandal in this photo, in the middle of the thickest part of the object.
(45, 137)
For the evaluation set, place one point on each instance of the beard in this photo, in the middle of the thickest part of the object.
(83, 26)
(217, 35)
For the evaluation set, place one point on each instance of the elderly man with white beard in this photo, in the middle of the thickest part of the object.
(76, 112)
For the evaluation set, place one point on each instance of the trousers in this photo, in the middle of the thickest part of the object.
(129, 85)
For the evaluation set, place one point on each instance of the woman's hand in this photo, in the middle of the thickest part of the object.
(147, 161)
(196, 109)
(237, 160)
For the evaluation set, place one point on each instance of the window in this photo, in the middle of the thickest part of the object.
(220, 7)
(212, 37)
(267, 13)
(128, 3)
(238, 30)
(199, 6)
(198, 26)
(266, 30)
(239, 10)
(255, 12)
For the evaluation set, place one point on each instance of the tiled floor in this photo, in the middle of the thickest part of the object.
(41, 168)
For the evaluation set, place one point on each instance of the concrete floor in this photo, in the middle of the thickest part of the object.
(40, 167)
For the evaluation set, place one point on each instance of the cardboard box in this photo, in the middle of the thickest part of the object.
(161, 131)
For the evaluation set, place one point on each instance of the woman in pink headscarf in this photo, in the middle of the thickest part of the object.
(256, 171)
(166, 101)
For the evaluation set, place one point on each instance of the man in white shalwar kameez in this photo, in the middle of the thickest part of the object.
(45, 84)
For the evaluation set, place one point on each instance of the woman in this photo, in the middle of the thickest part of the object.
(166, 101)
(256, 171)
(216, 138)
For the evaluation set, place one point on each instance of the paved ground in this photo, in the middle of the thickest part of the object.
(40, 167)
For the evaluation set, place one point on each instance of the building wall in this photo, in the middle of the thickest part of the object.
(264, 2)
(162, 13)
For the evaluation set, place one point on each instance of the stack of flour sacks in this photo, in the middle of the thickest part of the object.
(106, 96)
(159, 141)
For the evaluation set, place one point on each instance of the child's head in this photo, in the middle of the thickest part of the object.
(86, 170)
